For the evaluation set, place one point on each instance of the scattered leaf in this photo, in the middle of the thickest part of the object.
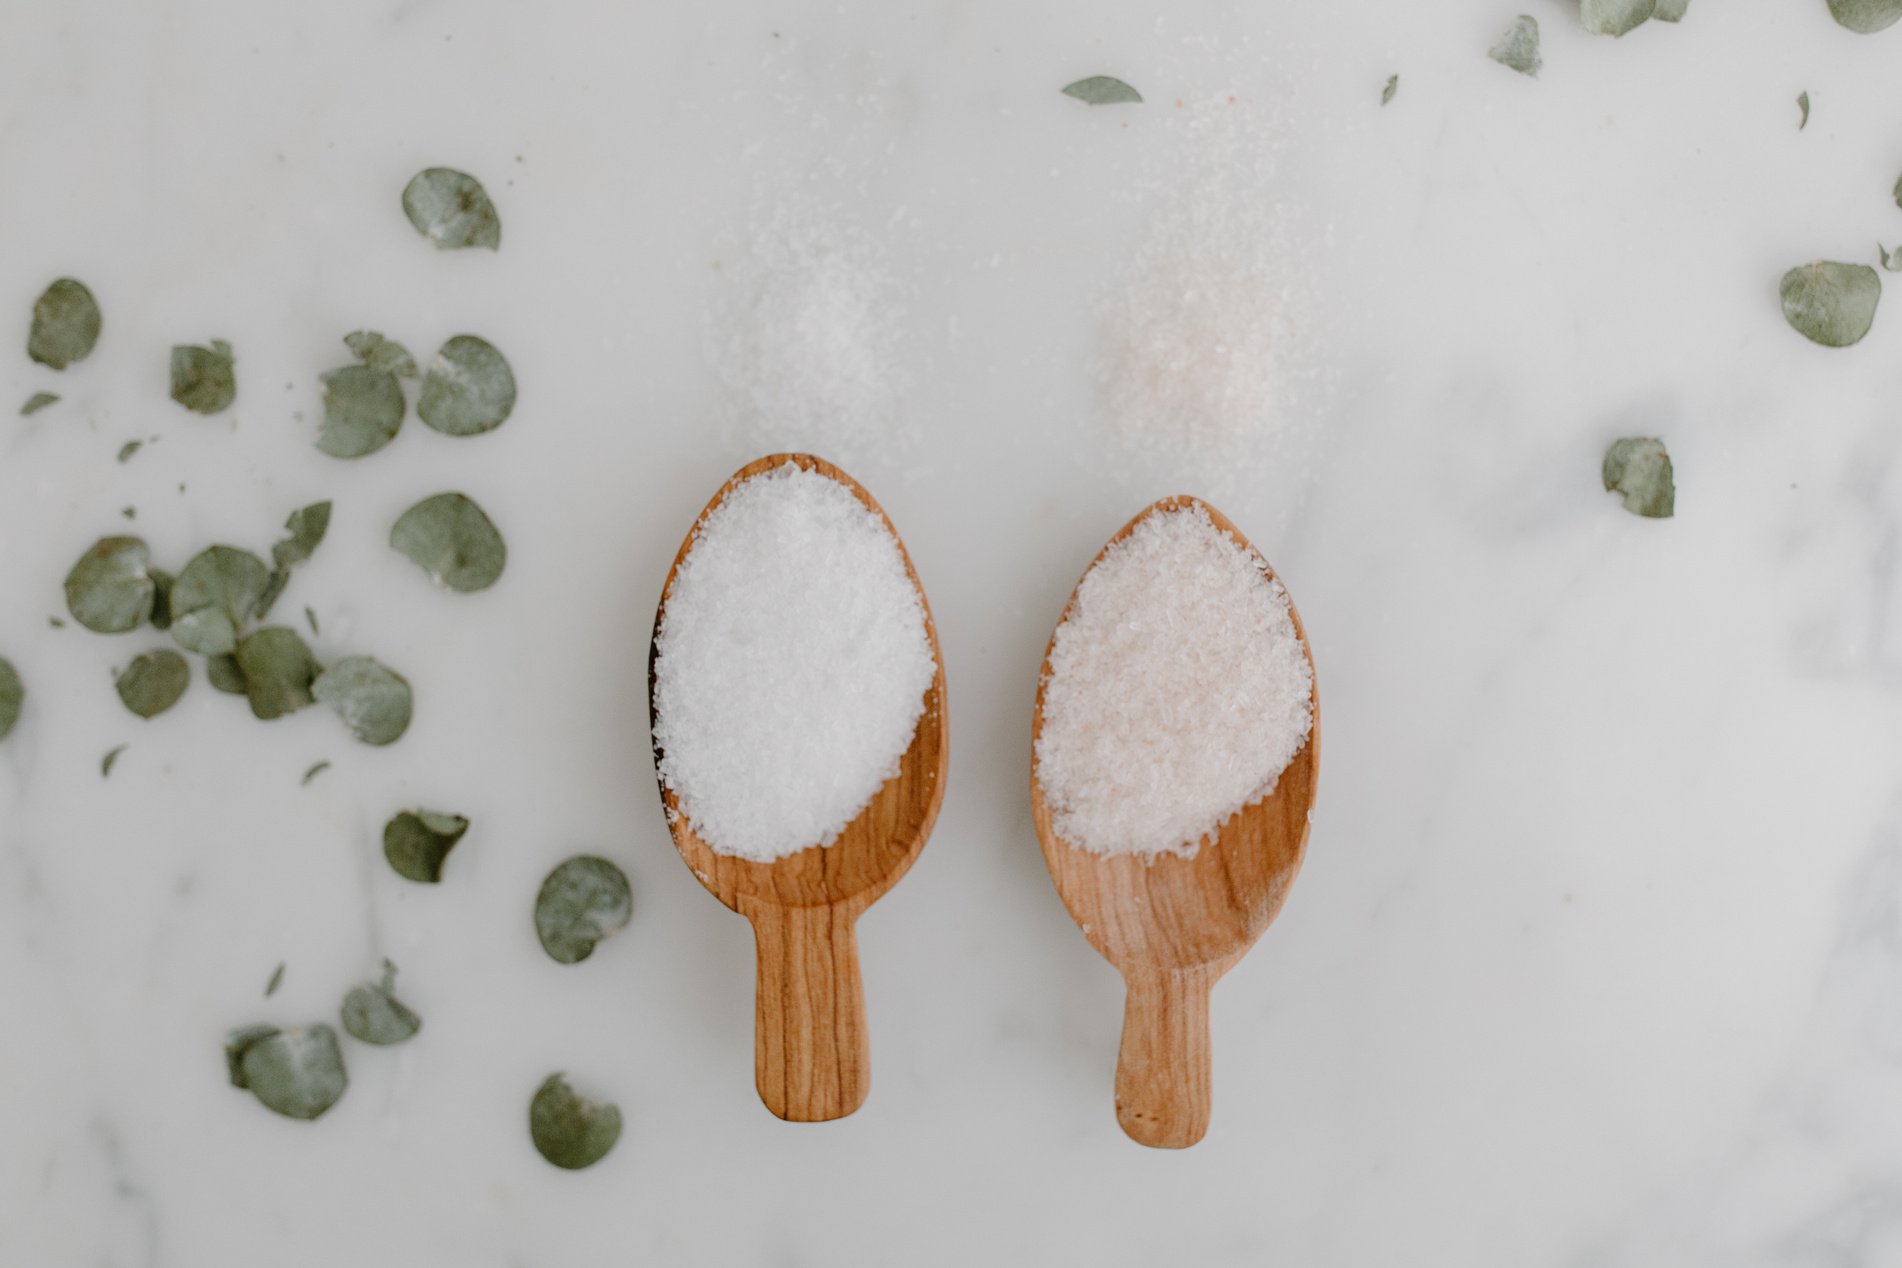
(582, 901)
(277, 980)
(306, 526)
(12, 696)
(1672, 10)
(1101, 90)
(311, 617)
(298, 1073)
(37, 402)
(130, 512)
(203, 379)
(112, 755)
(450, 538)
(56, 623)
(417, 841)
(162, 583)
(451, 209)
(109, 590)
(568, 1130)
(374, 1015)
(278, 671)
(468, 389)
(1615, 17)
(379, 353)
(1638, 469)
(373, 701)
(1518, 48)
(223, 672)
(1891, 260)
(363, 408)
(129, 448)
(1829, 303)
(153, 682)
(65, 324)
(213, 598)
(1866, 17)
(1803, 105)
(314, 772)
(1393, 86)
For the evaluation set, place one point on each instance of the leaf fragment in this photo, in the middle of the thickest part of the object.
(1891, 260)
(306, 526)
(1393, 86)
(1803, 106)
(153, 682)
(162, 583)
(468, 388)
(1672, 10)
(277, 980)
(417, 842)
(373, 701)
(372, 1013)
(109, 591)
(65, 324)
(204, 380)
(363, 410)
(129, 448)
(37, 402)
(1831, 303)
(278, 671)
(298, 1073)
(452, 210)
(1102, 90)
(450, 538)
(12, 697)
(1638, 469)
(569, 1130)
(315, 770)
(112, 756)
(1518, 48)
(581, 902)
(380, 353)
(1615, 17)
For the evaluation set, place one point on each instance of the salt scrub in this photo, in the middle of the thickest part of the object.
(1178, 691)
(792, 666)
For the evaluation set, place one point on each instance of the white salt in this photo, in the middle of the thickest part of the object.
(792, 666)
(1178, 691)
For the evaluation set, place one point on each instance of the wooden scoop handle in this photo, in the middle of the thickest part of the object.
(811, 1060)
(1162, 1071)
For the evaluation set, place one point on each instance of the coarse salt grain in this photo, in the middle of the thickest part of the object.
(1178, 691)
(792, 666)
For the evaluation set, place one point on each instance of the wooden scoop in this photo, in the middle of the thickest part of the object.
(811, 1060)
(1172, 926)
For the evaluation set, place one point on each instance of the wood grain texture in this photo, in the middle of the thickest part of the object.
(1172, 926)
(811, 1052)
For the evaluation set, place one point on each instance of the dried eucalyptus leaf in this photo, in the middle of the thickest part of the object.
(213, 598)
(1672, 10)
(1638, 469)
(1393, 86)
(379, 353)
(278, 671)
(1832, 304)
(1891, 260)
(65, 324)
(12, 696)
(153, 682)
(223, 672)
(1518, 48)
(374, 1015)
(416, 842)
(468, 389)
(1615, 17)
(1803, 106)
(203, 379)
(109, 591)
(582, 901)
(568, 1130)
(1866, 17)
(373, 701)
(306, 526)
(1101, 90)
(37, 402)
(451, 209)
(106, 762)
(129, 448)
(298, 1073)
(363, 408)
(450, 538)
(277, 980)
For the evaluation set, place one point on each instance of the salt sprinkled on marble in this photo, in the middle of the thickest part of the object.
(792, 665)
(1178, 691)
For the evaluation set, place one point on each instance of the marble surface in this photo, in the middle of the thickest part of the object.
(1597, 957)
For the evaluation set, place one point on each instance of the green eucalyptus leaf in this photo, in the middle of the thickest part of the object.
(363, 408)
(203, 379)
(1832, 304)
(223, 673)
(379, 353)
(109, 591)
(450, 538)
(568, 1130)
(582, 901)
(153, 682)
(1393, 86)
(468, 389)
(1102, 90)
(213, 598)
(1672, 10)
(416, 842)
(1518, 48)
(277, 980)
(278, 671)
(374, 1015)
(12, 696)
(1615, 17)
(1803, 107)
(1638, 469)
(451, 209)
(299, 1073)
(37, 402)
(307, 526)
(65, 324)
(1866, 17)
(112, 756)
(373, 701)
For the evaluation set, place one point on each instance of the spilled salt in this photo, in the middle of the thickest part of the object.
(1178, 691)
(791, 669)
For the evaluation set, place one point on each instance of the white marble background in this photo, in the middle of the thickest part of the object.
(1597, 958)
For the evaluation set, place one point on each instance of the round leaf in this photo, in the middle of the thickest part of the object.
(374, 1015)
(153, 682)
(468, 389)
(363, 408)
(1866, 17)
(298, 1073)
(451, 209)
(12, 696)
(1638, 469)
(450, 538)
(374, 702)
(109, 590)
(223, 673)
(568, 1130)
(582, 901)
(65, 324)
(278, 670)
(416, 842)
(1829, 303)
(203, 380)
(214, 596)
